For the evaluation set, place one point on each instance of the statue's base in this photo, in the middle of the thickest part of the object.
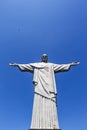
(44, 129)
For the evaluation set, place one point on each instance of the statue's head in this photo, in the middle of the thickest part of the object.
(44, 58)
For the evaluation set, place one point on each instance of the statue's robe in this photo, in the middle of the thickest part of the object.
(44, 108)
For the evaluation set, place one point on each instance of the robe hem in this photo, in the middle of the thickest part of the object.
(47, 98)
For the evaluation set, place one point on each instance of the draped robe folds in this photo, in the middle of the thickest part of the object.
(44, 107)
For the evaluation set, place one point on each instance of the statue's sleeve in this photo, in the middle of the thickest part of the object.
(61, 67)
(26, 67)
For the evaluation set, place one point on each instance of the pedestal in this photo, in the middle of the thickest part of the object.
(44, 129)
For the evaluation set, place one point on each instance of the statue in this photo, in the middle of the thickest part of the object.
(44, 115)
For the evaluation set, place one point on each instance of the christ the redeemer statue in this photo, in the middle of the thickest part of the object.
(44, 115)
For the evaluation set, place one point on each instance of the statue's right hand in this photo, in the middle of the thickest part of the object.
(12, 64)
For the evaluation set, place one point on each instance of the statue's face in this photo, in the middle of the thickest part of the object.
(44, 58)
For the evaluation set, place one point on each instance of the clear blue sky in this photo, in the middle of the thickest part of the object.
(29, 28)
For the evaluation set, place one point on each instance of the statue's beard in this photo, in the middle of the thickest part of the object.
(45, 61)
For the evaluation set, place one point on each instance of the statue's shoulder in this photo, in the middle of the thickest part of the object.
(41, 64)
(50, 63)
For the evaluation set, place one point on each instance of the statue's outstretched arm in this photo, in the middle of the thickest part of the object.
(23, 67)
(64, 67)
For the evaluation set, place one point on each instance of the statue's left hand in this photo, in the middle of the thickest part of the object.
(12, 64)
(75, 63)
